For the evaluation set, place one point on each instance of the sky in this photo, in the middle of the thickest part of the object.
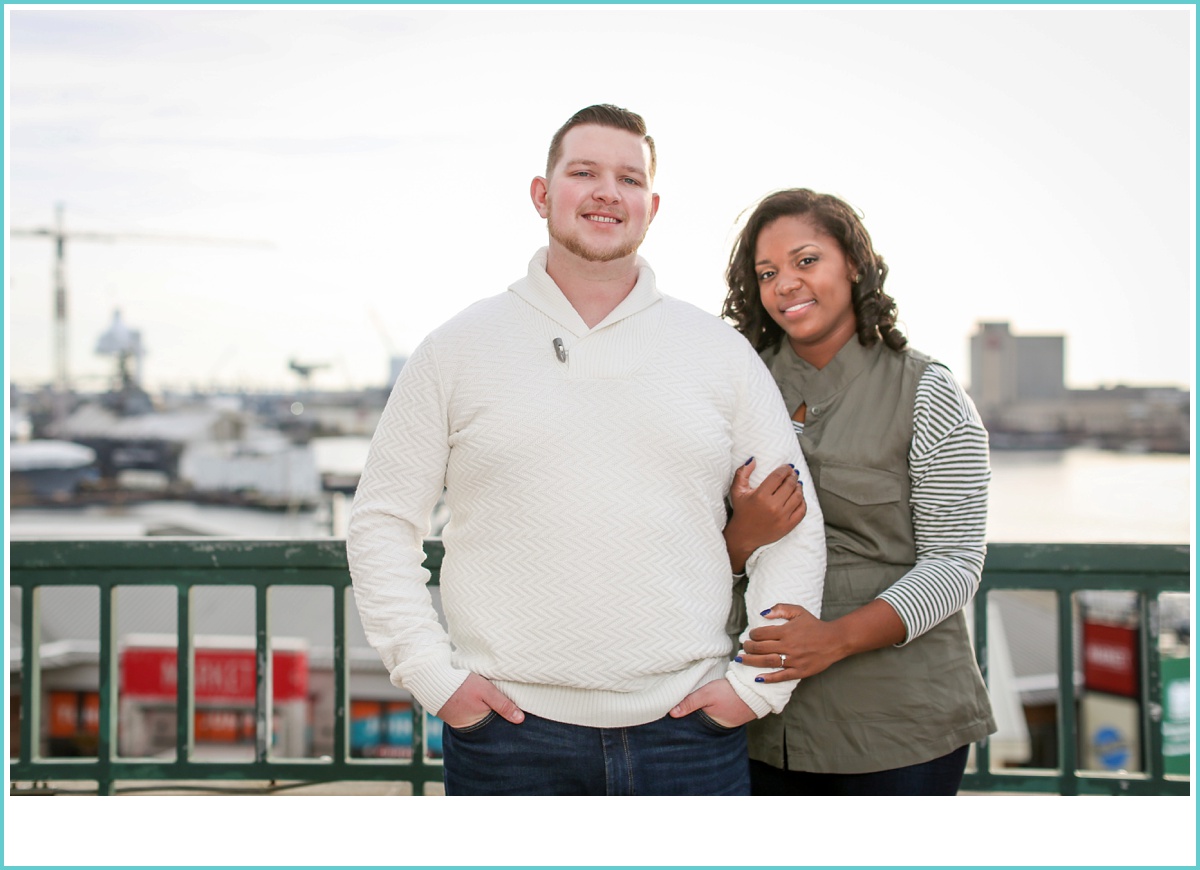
(1031, 165)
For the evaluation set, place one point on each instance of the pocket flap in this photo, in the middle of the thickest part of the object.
(861, 485)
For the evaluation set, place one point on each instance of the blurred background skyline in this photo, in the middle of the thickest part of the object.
(1031, 165)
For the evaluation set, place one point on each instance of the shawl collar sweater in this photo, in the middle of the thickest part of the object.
(585, 571)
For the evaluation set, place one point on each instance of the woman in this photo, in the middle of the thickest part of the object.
(891, 696)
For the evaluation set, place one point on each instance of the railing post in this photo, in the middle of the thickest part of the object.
(983, 750)
(185, 716)
(341, 678)
(108, 690)
(263, 694)
(1151, 686)
(31, 674)
(1068, 745)
(418, 748)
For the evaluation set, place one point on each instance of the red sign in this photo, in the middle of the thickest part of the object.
(149, 674)
(1110, 659)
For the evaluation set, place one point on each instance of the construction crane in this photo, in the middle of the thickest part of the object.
(59, 235)
(305, 370)
(382, 330)
(396, 360)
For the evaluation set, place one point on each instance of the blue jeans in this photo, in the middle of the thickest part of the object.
(941, 776)
(688, 756)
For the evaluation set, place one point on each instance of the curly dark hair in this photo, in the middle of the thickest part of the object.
(874, 310)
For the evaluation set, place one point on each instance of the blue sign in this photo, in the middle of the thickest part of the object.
(1111, 748)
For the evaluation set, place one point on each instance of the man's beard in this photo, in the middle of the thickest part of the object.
(576, 246)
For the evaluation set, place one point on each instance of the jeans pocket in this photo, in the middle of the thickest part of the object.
(716, 726)
(474, 726)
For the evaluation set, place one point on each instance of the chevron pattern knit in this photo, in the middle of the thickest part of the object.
(585, 571)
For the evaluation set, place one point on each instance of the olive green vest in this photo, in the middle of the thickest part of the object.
(895, 706)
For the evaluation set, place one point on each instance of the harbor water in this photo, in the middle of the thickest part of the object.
(1078, 495)
(1083, 495)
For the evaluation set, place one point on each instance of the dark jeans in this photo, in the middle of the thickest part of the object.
(942, 776)
(688, 756)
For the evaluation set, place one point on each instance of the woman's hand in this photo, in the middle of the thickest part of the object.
(808, 645)
(804, 645)
(762, 514)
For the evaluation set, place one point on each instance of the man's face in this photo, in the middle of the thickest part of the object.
(598, 201)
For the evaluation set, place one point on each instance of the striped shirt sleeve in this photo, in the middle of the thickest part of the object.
(949, 469)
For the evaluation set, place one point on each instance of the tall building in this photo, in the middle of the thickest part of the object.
(1007, 368)
(1018, 384)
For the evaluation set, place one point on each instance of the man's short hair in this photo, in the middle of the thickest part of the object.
(603, 115)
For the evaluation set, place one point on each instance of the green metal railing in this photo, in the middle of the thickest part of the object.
(188, 563)
(1065, 569)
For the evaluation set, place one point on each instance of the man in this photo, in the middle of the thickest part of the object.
(586, 429)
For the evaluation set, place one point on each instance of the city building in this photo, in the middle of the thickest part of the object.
(1018, 384)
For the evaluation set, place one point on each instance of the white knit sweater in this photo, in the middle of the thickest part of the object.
(585, 571)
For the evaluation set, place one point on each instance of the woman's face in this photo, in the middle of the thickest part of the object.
(804, 282)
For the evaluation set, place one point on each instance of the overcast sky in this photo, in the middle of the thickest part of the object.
(1028, 165)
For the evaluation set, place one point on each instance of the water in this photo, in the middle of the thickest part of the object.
(1053, 496)
(171, 518)
(1038, 496)
(1083, 495)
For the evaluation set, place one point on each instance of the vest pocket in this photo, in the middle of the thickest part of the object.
(859, 485)
(866, 513)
